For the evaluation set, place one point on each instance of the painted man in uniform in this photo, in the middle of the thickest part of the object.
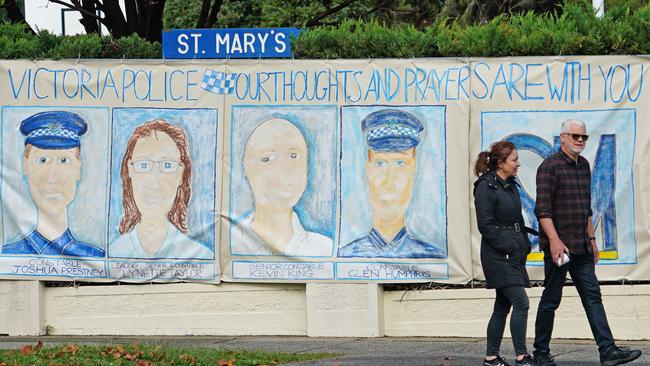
(392, 136)
(52, 167)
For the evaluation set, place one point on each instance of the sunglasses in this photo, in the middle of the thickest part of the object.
(577, 136)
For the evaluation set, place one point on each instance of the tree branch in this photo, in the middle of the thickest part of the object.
(381, 5)
(316, 20)
(78, 8)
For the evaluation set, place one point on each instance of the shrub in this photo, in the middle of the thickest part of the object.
(80, 46)
(361, 39)
(132, 47)
(625, 29)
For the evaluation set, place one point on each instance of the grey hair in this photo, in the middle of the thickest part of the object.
(571, 121)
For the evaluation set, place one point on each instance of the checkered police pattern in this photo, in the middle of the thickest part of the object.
(392, 130)
(53, 132)
(218, 82)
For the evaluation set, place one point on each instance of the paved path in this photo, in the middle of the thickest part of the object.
(411, 351)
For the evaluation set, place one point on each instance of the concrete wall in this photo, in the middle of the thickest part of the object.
(465, 313)
(179, 309)
(354, 310)
(21, 307)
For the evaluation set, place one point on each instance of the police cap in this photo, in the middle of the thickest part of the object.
(53, 130)
(391, 130)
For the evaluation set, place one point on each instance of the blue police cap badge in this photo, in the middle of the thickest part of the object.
(391, 130)
(53, 130)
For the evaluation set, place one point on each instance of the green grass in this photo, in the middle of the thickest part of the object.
(145, 355)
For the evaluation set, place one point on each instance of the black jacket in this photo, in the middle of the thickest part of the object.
(503, 249)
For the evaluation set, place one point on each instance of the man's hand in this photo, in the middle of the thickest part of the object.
(594, 245)
(557, 249)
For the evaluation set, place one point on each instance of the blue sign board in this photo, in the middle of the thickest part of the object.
(228, 43)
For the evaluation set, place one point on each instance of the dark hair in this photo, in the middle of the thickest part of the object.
(489, 160)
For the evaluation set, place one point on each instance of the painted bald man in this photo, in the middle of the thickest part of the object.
(276, 159)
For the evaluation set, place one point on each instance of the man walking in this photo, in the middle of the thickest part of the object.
(563, 208)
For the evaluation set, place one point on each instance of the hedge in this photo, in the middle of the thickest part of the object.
(576, 31)
(16, 42)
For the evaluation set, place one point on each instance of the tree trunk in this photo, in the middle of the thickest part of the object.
(132, 16)
(90, 24)
(154, 20)
(203, 16)
(214, 12)
(14, 14)
(114, 19)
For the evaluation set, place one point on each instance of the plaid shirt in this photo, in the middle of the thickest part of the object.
(564, 195)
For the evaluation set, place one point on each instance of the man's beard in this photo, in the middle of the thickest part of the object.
(577, 150)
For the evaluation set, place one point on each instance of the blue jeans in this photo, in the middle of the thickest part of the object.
(583, 273)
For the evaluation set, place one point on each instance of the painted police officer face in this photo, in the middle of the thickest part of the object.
(52, 177)
(275, 164)
(390, 179)
(156, 173)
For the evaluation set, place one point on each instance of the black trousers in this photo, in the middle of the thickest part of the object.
(514, 297)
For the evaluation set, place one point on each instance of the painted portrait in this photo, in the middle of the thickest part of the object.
(59, 154)
(165, 174)
(610, 152)
(283, 182)
(393, 185)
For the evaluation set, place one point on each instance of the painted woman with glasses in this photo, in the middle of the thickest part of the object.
(504, 247)
(156, 188)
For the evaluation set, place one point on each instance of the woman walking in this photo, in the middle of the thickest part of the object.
(504, 247)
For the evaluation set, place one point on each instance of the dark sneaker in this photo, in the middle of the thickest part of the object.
(544, 359)
(499, 361)
(618, 356)
(526, 361)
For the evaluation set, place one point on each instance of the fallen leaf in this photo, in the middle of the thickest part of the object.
(132, 357)
(144, 363)
(187, 358)
(71, 349)
(25, 350)
(158, 356)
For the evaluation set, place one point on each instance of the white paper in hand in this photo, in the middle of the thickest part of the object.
(564, 259)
